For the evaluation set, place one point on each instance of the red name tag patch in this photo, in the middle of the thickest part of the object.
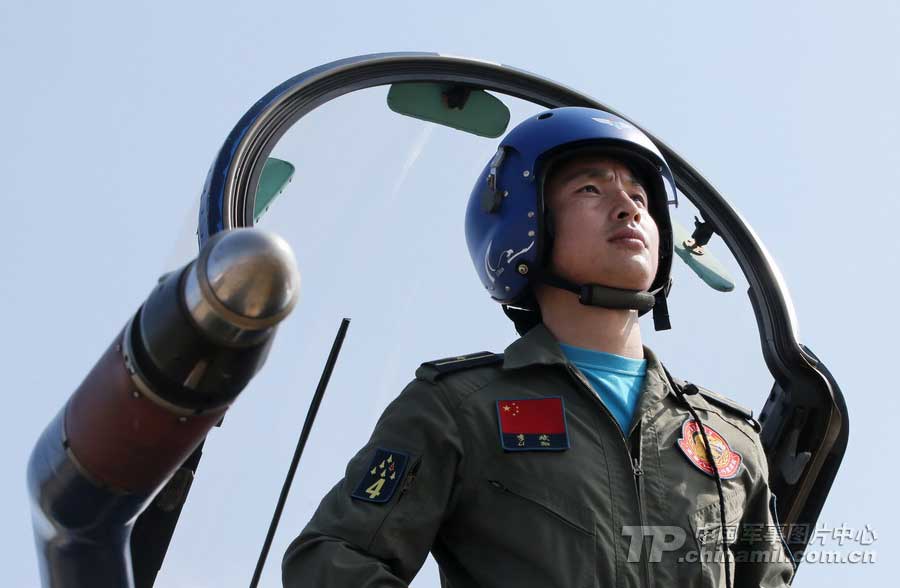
(533, 424)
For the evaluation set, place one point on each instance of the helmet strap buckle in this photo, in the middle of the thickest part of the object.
(615, 298)
(661, 320)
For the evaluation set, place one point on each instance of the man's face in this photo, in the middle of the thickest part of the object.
(603, 230)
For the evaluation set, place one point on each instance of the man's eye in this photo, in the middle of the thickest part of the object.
(588, 188)
(640, 199)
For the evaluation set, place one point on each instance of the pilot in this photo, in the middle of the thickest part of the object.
(573, 458)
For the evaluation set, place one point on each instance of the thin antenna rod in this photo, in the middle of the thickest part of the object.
(301, 443)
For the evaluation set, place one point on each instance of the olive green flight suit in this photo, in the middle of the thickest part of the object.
(607, 511)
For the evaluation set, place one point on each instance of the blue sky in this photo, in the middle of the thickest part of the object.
(113, 113)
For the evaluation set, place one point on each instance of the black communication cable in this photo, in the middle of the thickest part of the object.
(722, 525)
(686, 388)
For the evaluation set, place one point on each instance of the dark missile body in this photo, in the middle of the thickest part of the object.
(167, 378)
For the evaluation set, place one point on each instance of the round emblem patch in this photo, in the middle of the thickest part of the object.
(691, 443)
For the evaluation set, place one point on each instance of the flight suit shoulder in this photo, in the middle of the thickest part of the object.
(728, 405)
(437, 369)
(714, 398)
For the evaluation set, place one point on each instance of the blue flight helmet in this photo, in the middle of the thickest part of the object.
(507, 229)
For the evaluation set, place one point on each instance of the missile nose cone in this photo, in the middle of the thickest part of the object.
(254, 274)
(243, 282)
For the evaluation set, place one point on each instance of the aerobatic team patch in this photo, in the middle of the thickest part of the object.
(382, 476)
(533, 424)
(728, 461)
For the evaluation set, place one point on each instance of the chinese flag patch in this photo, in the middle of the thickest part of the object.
(533, 424)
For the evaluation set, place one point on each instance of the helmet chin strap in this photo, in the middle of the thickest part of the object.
(609, 297)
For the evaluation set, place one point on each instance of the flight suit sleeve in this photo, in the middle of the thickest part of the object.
(371, 530)
(761, 555)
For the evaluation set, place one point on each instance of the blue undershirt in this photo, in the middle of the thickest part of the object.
(617, 380)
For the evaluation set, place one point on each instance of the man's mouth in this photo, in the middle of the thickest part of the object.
(629, 238)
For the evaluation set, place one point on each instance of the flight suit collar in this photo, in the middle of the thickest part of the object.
(539, 347)
(656, 386)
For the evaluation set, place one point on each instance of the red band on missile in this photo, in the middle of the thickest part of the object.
(123, 439)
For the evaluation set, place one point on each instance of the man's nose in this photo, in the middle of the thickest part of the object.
(626, 207)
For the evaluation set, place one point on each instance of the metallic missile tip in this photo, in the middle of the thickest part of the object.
(243, 282)
(254, 274)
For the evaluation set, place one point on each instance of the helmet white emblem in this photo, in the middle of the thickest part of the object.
(496, 272)
(613, 123)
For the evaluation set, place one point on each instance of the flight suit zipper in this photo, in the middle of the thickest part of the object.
(410, 478)
(636, 470)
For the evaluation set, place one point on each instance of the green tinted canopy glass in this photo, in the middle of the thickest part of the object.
(459, 107)
(701, 260)
(275, 176)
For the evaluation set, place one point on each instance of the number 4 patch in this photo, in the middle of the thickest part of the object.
(382, 476)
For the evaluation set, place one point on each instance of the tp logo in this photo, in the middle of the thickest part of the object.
(662, 538)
